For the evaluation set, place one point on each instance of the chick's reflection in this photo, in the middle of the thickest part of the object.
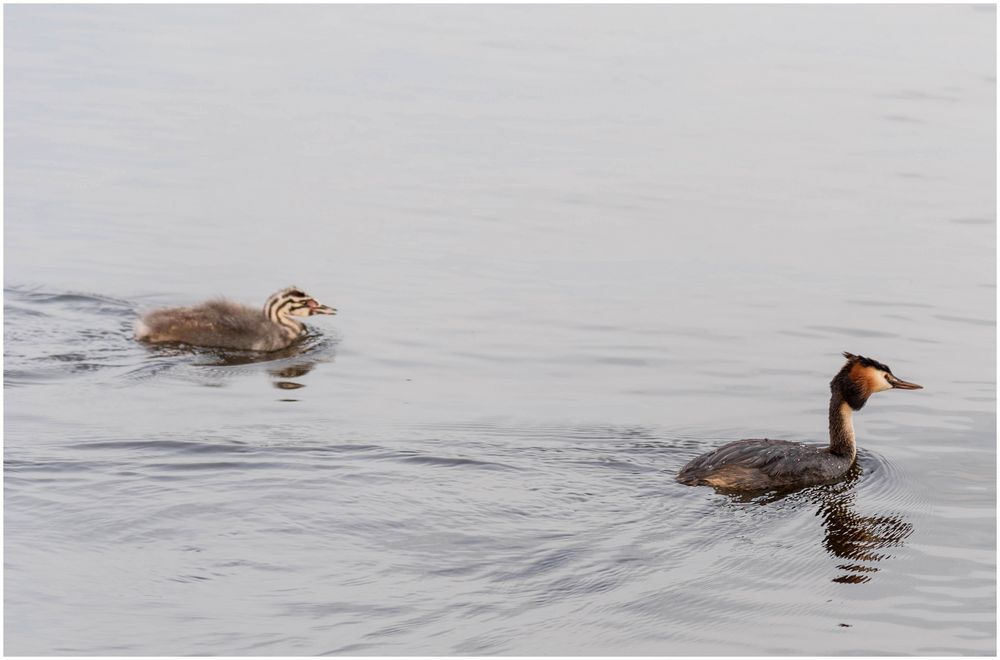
(291, 371)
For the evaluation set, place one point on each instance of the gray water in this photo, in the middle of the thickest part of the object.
(572, 248)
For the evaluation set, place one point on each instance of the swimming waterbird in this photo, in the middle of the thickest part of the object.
(749, 465)
(224, 324)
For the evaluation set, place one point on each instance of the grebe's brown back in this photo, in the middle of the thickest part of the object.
(749, 465)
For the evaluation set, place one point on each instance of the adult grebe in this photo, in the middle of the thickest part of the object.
(224, 324)
(767, 464)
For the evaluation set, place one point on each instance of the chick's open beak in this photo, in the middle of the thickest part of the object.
(318, 308)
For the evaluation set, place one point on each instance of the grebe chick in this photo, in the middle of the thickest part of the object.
(224, 324)
(767, 464)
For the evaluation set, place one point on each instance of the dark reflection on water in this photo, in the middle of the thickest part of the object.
(857, 537)
(847, 534)
(311, 343)
(294, 361)
(293, 371)
(287, 385)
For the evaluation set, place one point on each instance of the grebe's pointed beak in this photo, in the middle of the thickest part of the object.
(902, 384)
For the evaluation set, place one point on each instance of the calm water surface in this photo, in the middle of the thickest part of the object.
(572, 248)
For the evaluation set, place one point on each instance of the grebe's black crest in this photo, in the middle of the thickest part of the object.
(866, 362)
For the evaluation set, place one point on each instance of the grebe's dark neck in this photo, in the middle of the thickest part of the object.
(841, 427)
